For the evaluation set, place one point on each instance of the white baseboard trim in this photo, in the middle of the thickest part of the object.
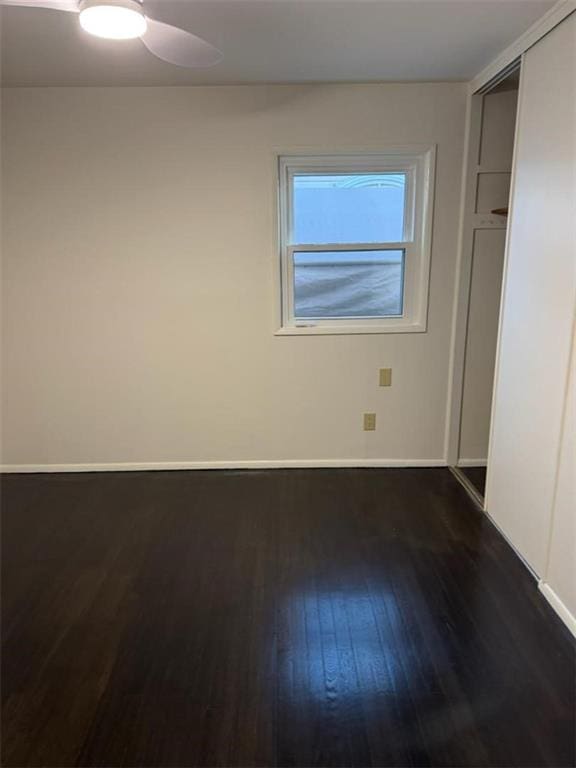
(561, 609)
(249, 464)
(512, 546)
(472, 463)
(470, 489)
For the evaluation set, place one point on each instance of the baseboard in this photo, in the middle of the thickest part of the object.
(512, 546)
(470, 489)
(561, 609)
(472, 463)
(249, 464)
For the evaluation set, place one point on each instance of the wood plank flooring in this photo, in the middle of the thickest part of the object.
(277, 618)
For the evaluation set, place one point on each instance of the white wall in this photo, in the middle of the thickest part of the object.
(538, 311)
(560, 574)
(140, 294)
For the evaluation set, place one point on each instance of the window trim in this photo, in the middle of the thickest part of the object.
(418, 163)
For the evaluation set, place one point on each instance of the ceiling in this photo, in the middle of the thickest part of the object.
(275, 41)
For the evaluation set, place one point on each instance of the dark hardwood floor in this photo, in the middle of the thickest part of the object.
(275, 618)
(477, 476)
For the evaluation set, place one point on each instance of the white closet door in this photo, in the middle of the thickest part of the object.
(539, 299)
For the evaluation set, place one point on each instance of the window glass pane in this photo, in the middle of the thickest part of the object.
(334, 284)
(348, 208)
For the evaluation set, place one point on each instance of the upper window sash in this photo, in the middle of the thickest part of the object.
(408, 218)
(406, 165)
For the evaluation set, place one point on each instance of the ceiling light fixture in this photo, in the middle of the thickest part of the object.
(126, 19)
(114, 19)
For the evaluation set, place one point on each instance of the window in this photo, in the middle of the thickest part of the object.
(355, 241)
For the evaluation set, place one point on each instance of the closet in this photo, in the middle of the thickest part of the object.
(513, 402)
(486, 221)
(531, 484)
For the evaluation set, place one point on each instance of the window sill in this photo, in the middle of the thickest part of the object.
(323, 330)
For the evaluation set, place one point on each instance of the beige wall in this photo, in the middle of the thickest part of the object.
(481, 339)
(140, 294)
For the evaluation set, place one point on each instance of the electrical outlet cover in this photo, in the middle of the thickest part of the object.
(369, 422)
(385, 377)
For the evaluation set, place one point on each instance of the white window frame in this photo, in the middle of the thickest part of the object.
(418, 165)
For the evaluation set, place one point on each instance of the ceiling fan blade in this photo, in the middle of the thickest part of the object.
(55, 5)
(179, 47)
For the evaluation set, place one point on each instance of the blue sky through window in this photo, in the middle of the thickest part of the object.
(348, 208)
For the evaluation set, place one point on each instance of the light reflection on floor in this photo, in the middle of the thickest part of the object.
(345, 652)
(340, 644)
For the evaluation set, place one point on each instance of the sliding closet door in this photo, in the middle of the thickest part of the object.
(539, 300)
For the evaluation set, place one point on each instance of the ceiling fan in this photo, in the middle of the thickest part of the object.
(126, 20)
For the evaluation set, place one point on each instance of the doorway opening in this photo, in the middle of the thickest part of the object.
(491, 149)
